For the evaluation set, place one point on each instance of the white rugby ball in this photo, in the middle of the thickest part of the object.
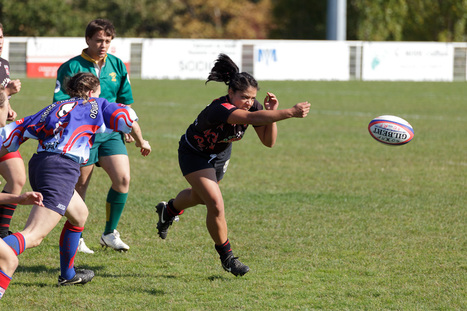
(391, 130)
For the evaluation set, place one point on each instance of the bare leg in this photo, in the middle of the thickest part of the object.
(8, 259)
(15, 176)
(205, 187)
(118, 168)
(14, 173)
(42, 220)
(185, 199)
(83, 181)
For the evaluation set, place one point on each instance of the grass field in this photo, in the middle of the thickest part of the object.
(328, 219)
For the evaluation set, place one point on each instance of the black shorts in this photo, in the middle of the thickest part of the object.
(191, 160)
(55, 176)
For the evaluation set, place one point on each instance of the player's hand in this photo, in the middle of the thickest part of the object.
(13, 87)
(145, 148)
(31, 198)
(11, 115)
(301, 110)
(271, 102)
(129, 138)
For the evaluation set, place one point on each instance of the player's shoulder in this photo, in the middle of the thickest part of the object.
(72, 63)
(223, 103)
(114, 59)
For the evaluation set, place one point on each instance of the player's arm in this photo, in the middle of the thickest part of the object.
(125, 95)
(27, 198)
(140, 142)
(268, 133)
(265, 117)
(11, 114)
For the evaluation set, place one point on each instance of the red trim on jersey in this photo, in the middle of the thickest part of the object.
(84, 130)
(228, 106)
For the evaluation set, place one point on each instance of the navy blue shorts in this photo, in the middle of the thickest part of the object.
(55, 176)
(191, 160)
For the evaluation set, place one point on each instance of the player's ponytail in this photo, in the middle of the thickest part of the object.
(81, 83)
(225, 70)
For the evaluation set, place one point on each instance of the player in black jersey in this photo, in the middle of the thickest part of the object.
(204, 151)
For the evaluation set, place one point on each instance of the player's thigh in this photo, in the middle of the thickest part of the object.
(117, 166)
(40, 222)
(14, 172)
(84, 179)
(204, 184)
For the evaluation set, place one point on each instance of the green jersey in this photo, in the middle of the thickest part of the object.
(113, 76)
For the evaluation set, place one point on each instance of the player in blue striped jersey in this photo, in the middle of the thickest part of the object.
(65, 131)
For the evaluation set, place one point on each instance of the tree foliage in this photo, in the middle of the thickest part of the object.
(369, 20)
(407, 20)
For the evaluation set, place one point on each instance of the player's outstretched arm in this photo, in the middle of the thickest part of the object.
(264, 117)
(27, 198)
(140, 142)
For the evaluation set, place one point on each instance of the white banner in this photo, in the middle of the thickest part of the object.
(45, 55)
(301, 60)
(409, 61)
(184, 58)
(59, 50)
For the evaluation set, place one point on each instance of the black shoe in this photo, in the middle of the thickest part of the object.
(165, 221)
(234, 266)
(82, 276)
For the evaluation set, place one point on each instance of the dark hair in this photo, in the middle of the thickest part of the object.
(3, 96)
(98, 25)
(81, 83)
(1, 26)
(226, 71)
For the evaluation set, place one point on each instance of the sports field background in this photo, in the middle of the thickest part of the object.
(327, 219)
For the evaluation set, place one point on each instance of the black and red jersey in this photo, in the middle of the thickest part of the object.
(210, 133)
(4, 72)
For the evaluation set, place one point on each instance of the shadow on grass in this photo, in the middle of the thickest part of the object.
(155, 292)
(218, 277)
(52, 271)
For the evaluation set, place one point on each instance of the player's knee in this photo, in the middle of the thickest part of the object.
(215, 208)
(9, 263)
(15, 183)
(19, 181)
(13, 263)
(122, 183)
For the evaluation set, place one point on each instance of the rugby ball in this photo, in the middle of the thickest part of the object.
(391, 130)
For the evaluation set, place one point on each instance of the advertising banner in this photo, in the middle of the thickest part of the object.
(185, 58)
(301, 60)
(409, 61)
(45, 55)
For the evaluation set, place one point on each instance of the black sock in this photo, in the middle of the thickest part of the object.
(224, 250)
(171, 209)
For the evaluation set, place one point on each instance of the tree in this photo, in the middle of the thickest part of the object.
(232, 19)
(367, 20)
(40, 18)
(299, 19)
(407, 20)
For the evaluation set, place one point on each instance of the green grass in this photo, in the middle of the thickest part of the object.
(328, 219)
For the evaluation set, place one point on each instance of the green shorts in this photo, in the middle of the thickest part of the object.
(106, 144)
